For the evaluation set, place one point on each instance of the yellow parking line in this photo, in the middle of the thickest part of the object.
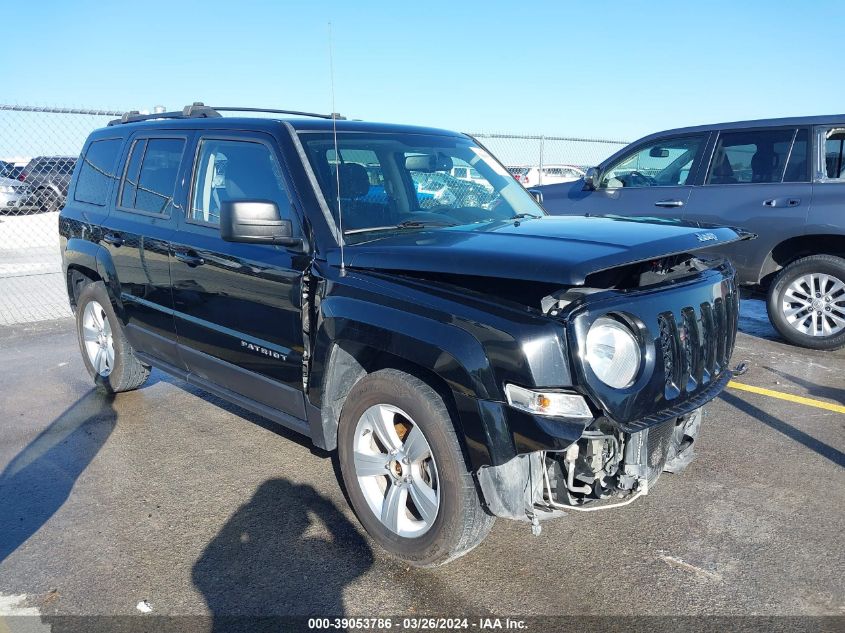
(810, 402)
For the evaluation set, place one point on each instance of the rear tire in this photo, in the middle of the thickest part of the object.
(106, 353)
(812, 317)
(396, 422)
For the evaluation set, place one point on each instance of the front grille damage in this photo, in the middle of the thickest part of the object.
(616, 461)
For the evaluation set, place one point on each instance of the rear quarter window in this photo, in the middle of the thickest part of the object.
(97, 172)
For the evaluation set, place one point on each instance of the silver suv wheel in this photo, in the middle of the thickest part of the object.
(97, 338)
(814, 305)
(396, 470)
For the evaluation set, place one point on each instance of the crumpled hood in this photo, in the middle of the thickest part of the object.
(554, 249)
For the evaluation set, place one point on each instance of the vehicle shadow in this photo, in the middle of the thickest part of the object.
(820, 391)
(36, 483)
(825, 450)
(287, 552)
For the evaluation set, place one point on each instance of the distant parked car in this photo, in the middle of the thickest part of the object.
(438, 189)
(14, 196)
(546, 175)
(783, 179)
(470, 174)
(7, 170)
(48, 178)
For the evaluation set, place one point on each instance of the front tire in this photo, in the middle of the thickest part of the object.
(806, 302)
(106, 353)
(404, 471)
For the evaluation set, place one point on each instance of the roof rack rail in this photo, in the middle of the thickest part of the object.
(199, 110)
(333, 115)
(196, 110)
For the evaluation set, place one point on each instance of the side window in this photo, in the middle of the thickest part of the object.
(834, 154)
(756, 156)
(235, 170)
(663, 163)
(96, 173)
(798, 163)
(151, 174)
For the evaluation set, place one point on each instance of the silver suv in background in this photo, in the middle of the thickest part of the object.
(783, 179)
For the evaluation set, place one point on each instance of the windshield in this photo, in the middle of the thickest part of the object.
(407, 181)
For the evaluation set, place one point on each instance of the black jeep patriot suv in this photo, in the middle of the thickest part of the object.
(466, 362)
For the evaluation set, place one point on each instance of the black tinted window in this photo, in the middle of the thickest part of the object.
(750, 156)
(97, 172)
(235, 170)
(797, 167)
(151, 174)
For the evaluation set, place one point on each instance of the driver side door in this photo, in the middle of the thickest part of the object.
(653, 179)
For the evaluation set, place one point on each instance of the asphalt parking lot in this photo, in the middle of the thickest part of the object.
(170, 496)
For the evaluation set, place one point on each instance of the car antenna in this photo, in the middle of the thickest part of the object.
(336, 156)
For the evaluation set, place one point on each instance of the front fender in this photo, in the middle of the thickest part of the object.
(452, 354)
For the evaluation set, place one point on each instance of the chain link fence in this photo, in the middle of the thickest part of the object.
(547, 160)
(39, 147)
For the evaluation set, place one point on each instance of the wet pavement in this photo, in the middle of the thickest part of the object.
(170, 496)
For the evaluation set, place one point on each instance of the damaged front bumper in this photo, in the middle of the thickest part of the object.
(606, 467)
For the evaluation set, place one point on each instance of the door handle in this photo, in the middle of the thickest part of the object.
(189, 257)
(669, 203)
(114, 239)
(782, 202)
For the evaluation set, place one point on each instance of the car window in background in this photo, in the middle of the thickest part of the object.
(834, 154)
(798, 164)
(7, 170)
(235, 170)
(97, 172)
(663, 163)
(756, 156)
(151, 174)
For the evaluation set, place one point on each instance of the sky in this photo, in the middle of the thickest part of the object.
(615, 70)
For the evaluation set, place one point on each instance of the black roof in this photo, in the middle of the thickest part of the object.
(204, 117)
(270, 124)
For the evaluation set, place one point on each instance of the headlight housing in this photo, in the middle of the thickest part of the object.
(551, 403)
(613, 353)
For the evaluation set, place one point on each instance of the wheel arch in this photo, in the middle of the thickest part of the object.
(443, 362)
(86, 262)
(796, 248)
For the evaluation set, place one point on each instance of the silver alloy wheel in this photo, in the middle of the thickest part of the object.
(396, 470)
(814, 304)
(97, 338)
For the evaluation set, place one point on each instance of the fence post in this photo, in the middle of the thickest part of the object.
(542, 151)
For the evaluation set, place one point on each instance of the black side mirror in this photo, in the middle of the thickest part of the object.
(591, 179)
(255, 222)
(537, 195)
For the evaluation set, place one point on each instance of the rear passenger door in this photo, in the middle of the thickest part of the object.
(137, 233)
(238, 307)
(759, 180)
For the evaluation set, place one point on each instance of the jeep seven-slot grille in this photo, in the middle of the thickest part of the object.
(697, 343)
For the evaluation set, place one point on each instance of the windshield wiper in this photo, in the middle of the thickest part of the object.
(407, 224)
(522, 216)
